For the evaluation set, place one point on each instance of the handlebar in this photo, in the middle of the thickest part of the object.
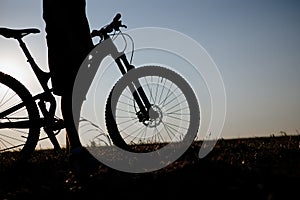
(115, 25)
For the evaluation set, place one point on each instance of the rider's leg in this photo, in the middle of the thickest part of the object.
(71, 120)
(82, 162)
(69, 41)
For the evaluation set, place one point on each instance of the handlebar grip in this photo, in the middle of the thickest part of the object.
(117, 17)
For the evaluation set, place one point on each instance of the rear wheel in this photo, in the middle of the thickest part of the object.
(173, 117)
(13, 94)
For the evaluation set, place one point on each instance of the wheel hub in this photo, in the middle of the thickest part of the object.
(155, 116)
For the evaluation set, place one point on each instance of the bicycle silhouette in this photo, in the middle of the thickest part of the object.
(147, 105)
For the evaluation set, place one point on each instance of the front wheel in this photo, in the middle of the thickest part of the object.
(173, 116)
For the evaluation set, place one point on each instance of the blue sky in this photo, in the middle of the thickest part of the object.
(255, 45)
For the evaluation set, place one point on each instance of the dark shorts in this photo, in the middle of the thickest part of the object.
(68, 40)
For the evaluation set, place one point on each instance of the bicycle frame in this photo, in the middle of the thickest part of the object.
(48, 120)
(47, 97)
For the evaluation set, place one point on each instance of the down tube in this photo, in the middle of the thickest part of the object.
(89, 67)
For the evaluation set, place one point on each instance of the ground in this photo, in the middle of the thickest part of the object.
(251, 168)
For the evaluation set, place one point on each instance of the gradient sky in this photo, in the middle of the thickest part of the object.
(254, 43)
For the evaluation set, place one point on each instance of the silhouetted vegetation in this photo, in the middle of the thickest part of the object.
(253, 168)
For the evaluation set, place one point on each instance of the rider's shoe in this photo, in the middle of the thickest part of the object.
(83, 163)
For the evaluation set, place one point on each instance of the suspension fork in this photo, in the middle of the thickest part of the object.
(136, 89)
(107, 47)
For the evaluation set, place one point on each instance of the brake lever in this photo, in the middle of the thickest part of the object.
(117, 25)
(97, 33)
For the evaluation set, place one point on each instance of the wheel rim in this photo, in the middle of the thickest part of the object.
(13, 93)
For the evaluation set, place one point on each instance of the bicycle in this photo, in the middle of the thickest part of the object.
(149, 105)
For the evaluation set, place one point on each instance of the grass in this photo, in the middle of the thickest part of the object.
(251, 168)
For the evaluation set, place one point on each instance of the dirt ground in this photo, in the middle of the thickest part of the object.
(254, 168)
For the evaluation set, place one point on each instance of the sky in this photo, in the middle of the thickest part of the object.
(255, 45)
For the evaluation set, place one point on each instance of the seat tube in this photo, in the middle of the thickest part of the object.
(42, 76)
